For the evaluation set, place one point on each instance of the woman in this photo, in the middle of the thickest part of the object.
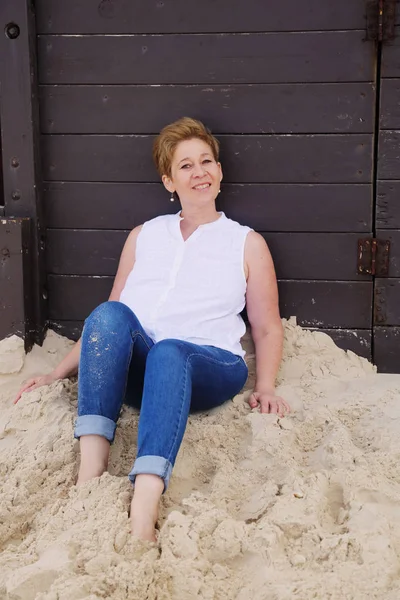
(168, 339)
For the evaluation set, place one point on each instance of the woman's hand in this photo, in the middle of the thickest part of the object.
(34, 383)
(269, 403)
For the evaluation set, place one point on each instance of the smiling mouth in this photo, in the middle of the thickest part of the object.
(202, 186)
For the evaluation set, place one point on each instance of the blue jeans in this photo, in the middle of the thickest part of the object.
(119, 362)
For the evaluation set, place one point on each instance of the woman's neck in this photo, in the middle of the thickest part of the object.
(195, 217)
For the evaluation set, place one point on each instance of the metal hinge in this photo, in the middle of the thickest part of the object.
(373, 257)
(381, 18)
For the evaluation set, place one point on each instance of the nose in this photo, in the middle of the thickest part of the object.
(198, 170)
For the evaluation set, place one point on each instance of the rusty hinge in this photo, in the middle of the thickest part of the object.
(373, 257)
(381, 18)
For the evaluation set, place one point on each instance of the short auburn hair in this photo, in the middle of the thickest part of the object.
(170, 136)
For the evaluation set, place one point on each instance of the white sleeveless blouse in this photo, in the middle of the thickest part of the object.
(190, 290)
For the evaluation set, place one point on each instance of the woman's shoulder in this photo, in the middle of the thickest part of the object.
(235, 225)
(157, 221)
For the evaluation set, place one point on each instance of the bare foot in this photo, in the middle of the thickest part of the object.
(143, 526)
(94, 457)
(88, 472)
(144, 506)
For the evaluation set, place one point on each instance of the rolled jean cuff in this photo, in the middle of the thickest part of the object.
(95, 425)
(152, 465)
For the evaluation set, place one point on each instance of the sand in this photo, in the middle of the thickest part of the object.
(259, 508)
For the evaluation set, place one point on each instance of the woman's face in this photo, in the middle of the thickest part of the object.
(195, 174)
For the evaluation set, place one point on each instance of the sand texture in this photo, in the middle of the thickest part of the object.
(259, 508)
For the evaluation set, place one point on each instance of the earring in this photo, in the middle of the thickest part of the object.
(172, 197)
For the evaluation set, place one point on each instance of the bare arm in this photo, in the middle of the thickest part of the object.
(266, 325)
(69, 365)
(126, 263)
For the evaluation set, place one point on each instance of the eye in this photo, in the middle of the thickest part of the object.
(185, 166)
(207, 160)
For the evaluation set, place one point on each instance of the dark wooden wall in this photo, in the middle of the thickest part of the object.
(290, 94)
(1, 180)
(387, 291)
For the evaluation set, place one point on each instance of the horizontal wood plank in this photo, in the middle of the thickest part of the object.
(327, 304)
(387, 349)
(133, 16)
(296, 108)
(326, 256)
(390, 103)
(394, 256)
(74, 298)
(265, 207)
(296, 255)
(323, 304)
(387, 302)
(389, 155)
(356, 340)
(388, 205)
(333, 56)
(83, 251)
(391, 56)
(246, 159)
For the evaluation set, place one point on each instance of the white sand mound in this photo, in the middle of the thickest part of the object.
(12, 355)
(259, 508)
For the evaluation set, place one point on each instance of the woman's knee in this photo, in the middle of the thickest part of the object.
(109, 316)
(168, 351)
